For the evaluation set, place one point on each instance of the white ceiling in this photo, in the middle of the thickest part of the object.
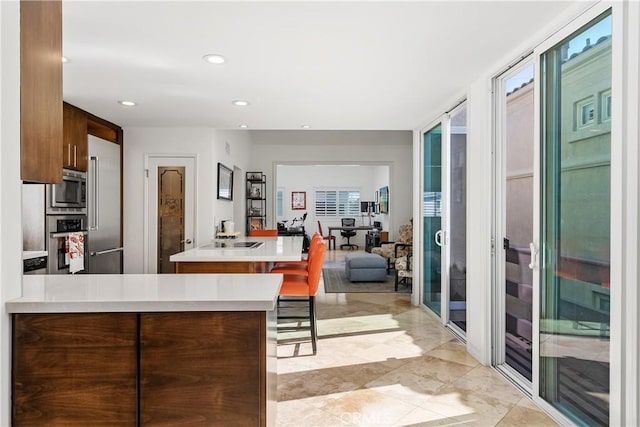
(330, 65)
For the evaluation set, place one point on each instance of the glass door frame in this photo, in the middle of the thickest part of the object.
(446, 212)
(616, 318)
(444, 291)
(499, 175)
(444, 121)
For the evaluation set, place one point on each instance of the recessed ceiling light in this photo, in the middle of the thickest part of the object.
(65, 59)
(306, 127)
(127, 103)
(244, 126)
(214, 58)
(240, 103)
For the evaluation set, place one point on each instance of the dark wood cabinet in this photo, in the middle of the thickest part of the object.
(41, 91)
(201, 369)
(75, 146)
(129, 369)
(74, 369)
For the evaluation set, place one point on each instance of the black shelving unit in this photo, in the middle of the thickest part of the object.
(256, 201)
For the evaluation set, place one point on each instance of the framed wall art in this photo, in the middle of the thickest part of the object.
(298, 200)
(225, 182)
(384, 200)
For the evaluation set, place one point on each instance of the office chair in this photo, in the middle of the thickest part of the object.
(348, 234)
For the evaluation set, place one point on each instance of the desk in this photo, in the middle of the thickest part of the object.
(339, 227)
(208, 259)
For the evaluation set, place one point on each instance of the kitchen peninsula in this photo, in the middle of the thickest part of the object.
(196, 349)
(241, 255)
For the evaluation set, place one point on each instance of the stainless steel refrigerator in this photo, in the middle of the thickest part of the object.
(103, 207)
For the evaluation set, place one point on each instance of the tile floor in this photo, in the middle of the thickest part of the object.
(383, 362)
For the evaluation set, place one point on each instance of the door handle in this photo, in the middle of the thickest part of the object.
(438, 237)
(187, 241)
(534, 256)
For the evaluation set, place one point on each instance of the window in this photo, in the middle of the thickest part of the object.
(279, 198)
(337, 203)
(586, 112)
(605, 105)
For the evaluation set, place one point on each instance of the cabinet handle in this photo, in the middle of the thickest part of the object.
(68, 154)
(75, 156)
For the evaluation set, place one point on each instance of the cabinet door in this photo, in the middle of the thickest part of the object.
(41, 91)
(202, 368)
(74, 369)
(74, 149)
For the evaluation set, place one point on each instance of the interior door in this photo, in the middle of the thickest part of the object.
(170, 203)
(171, 239)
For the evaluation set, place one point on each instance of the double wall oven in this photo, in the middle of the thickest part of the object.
(66, 210)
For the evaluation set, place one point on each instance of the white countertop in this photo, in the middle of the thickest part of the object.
(85, 293)
(281, 248)
(33, 254)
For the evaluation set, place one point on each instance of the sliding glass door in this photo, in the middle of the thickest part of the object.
(575, 224)
(444, 219)
(432, 218)
(457, 217)
(514, 169)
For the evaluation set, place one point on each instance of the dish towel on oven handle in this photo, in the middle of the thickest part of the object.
(75, 252)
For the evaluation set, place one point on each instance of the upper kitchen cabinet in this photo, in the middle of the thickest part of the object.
(74, 148)
(41, 117)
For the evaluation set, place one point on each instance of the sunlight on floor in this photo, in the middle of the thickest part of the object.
(383, 362)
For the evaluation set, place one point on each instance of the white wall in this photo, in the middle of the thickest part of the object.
(309, 178)
(479, 220)
(392, 148)
(230, 148)
(10, 185)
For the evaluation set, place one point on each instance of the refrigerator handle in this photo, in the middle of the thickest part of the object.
(107, 251)
(93, 200)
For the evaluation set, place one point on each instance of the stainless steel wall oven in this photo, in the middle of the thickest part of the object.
(58, 228)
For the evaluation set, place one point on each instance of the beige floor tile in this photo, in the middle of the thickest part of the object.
(483, 379)
(309, 384)
(521, 416)
(470, 407)
(295, 413)
(406, 386)
(420, 417)
(364, 407)
(454, 351)
(383, 362)
(438, 369)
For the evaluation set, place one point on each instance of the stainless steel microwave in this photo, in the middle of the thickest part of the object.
(69, 196)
